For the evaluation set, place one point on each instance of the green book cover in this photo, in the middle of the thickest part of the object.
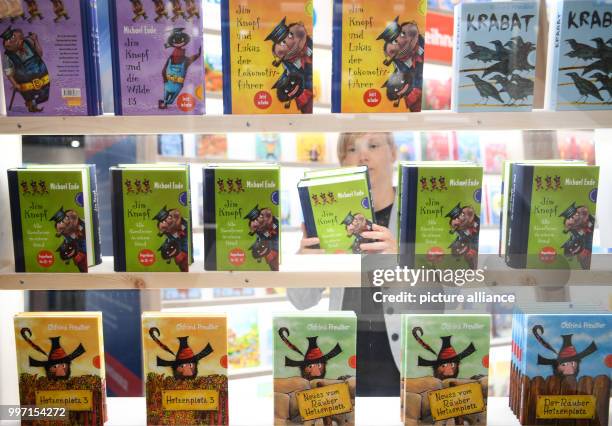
(151, 216)
(445, 367)
(241, 218)
(50, 212)
(337, 209)
(552, 216)
(440, 215)
(315, 368)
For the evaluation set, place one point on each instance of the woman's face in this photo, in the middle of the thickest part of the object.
(372, 150)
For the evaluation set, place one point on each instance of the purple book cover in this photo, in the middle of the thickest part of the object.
(157, 57)
(44, 61)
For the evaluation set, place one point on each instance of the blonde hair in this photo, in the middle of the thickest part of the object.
(344, 139)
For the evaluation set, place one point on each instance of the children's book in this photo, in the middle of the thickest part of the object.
(241, 217)
(337, 208)
(378, 55)
(579, 74)
(60, 362)
(267, 57)
(311, 147)
(152, 222)
(315, 368)
(185, 368)
(51, 60)
(439, 214)
(445, 368)
(52, 215)
(551, 216)
(494, 56)
(158, 66)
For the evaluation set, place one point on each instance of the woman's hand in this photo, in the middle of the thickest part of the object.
(306, 244)
(385, 240)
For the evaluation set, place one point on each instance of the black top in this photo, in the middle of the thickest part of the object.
(383, 216)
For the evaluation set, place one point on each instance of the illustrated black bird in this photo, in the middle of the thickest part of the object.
(603, 51)
(485, 89)
(480, 53)
(609, 42)
(514, 91)
(606, 83)
(500, 51)
(524, 83)
(501, 67)
(520, 50)
(604, 65)
(581, 50)
(584, 87)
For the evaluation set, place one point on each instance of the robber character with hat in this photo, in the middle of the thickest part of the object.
(291, 87)
(25, 69)
(172, 225)
(568, 358)
(185, 364)
(314, 364)
(405, 48)
(580, 224)
(138, 10)
(71, 227)
(465, 224)
(57, 364)
(446, 364)
(355, 224)
(265, 226)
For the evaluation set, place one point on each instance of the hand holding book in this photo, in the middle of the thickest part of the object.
(385, 242)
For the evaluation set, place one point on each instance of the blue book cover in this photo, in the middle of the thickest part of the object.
(580, 56)
(495, 56)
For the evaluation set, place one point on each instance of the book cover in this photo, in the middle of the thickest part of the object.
(267, 57)
(158, 68)
(551, 216)
(151, 219)
(315, 368)
(60, 362)
(51, 220)
(445, 368)
(439, 214)
(337, 210)
(378, 55)
(241, 217)
(185, 368)
(268, 147)
(50, 59)
(579, 75)
(311, 147)
(494, 56)
(408, 145)
(212, 146)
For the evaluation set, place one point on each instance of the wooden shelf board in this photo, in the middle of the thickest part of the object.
(427, 120)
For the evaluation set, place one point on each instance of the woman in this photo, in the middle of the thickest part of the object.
(377, 334)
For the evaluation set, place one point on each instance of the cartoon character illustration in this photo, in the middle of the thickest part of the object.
(579, 224)
(230, 185)
(447, 362)
(146, 186)
(538, 181)
(265, 226)
(185, 364)
(442, 183)
(399, 87)
(465, 224)
(323, 197)
(43, 187)
(567, 362)
(291, 87)
(71, 227)
(24, 187)
(314, 364)
(33, 10)
(175, 68)
(128, 186)
(355, 224)
(434, 183)
(557, 182)
(177, 10)
(138, 184)
(34, 187)
(138, 10)
(315, 200)
(404, 47)
(59, 10)
(549, 185)
(314, 153)
(221, 185)
(331, 197)
(172, 225)
(423, 181)
(58, 362)
(160, 10)
(192, 9)
(25, 69)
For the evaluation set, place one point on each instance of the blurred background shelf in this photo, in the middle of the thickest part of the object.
(427, 120)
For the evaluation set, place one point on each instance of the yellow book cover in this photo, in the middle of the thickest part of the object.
(378, 55)
(185, 368)
(267, 56)
(60, 362)
(311, 147)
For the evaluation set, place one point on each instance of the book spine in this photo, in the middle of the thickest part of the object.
(370, 197)
(190, 204)
(519, 217)
(456, 60)
(13, 183)
(410, 176)
(307, 213)
(554, 46)
(89, 32)
(501, 221)
(95, 215)
(112, 18)
(226, 57)
(210, 221)
(337, 57)
(94, 37)
(118, 225)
